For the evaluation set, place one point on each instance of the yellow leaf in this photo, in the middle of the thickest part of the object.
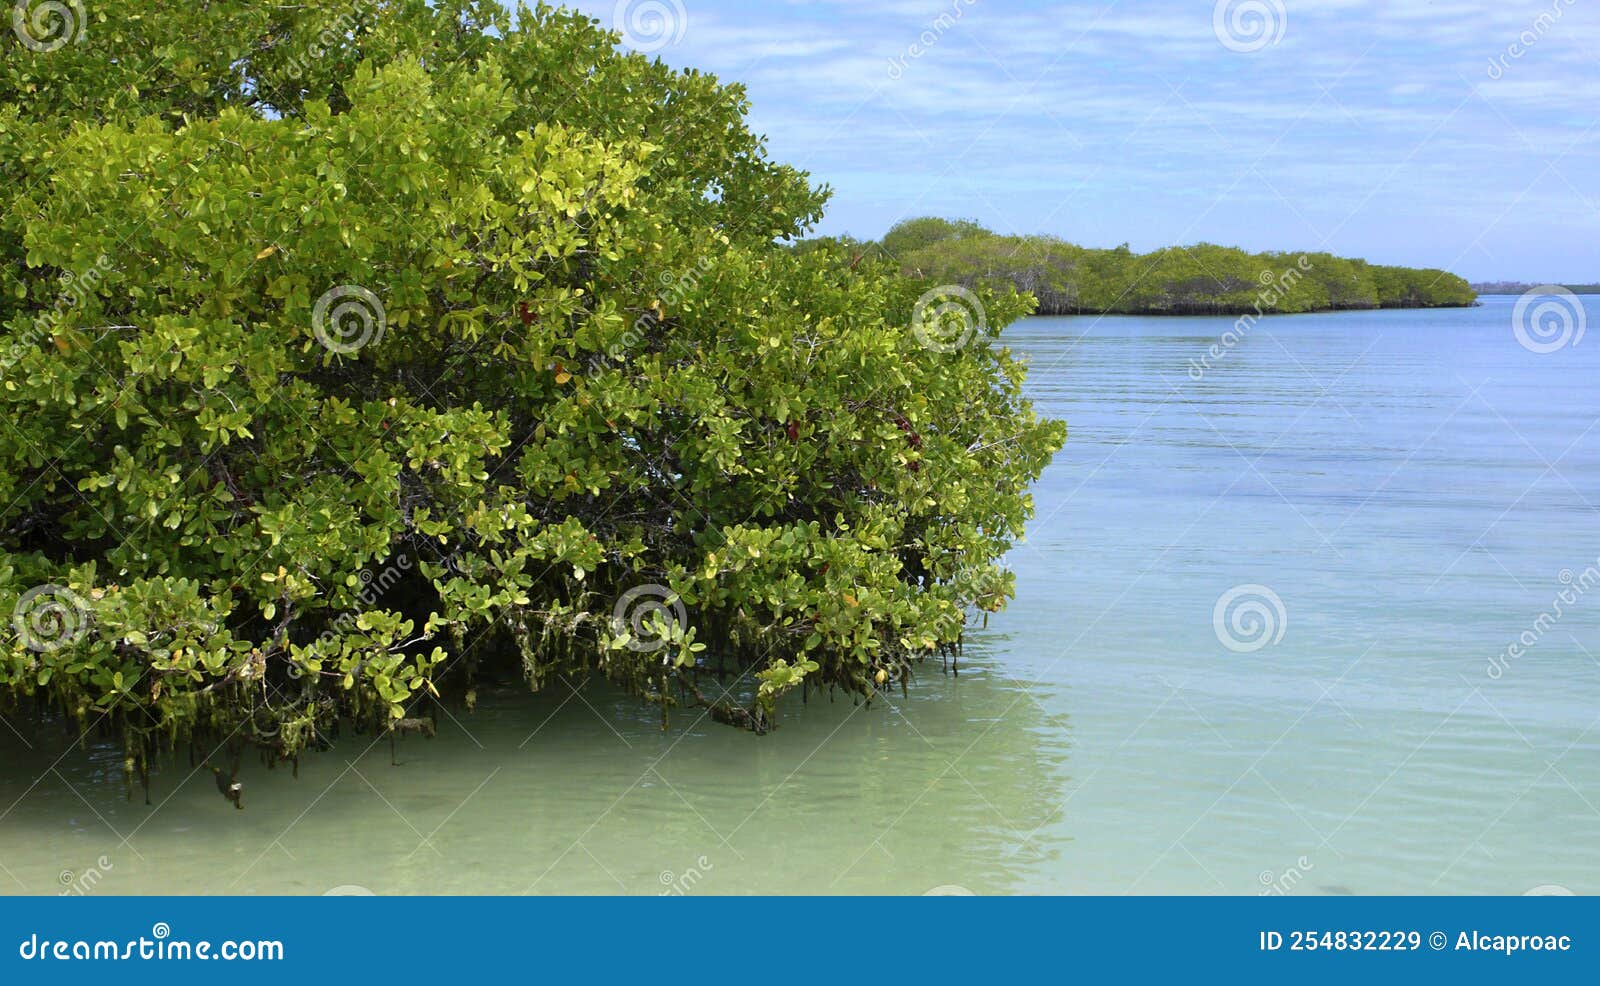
(850, 600)
(563, 377)
(264, 254)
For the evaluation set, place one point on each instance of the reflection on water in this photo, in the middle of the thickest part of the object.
(584, 793)
(1402, 491)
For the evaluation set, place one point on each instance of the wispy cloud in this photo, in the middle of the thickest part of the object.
(1374, 128)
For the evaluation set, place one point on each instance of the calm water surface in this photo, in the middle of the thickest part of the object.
(1392, 498)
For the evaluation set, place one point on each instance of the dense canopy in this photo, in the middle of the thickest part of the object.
(1203, 279)
(355, 352)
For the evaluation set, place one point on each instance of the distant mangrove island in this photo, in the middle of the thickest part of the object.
(1204, 279)
(1523, 287)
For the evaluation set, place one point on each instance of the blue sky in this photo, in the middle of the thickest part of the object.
(1462, 134)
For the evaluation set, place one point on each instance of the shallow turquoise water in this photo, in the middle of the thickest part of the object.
(1401, 491)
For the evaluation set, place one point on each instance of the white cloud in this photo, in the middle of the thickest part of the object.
(1023, 102)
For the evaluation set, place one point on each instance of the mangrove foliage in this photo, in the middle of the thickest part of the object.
(356, 353)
